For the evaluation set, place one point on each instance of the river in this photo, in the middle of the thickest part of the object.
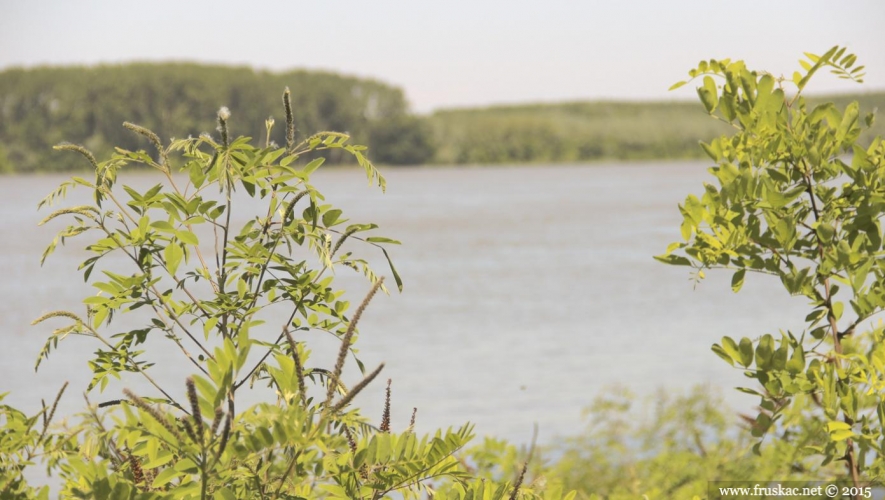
(528, 290)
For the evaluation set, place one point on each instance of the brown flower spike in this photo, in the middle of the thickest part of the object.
(385, 417)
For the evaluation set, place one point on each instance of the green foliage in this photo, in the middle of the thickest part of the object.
(43, 106)
(799, 196)
(570, 132)
(588, 131)
(5, 165)
(23, 441)
(203, 288)
(408, 140)
(671, 447)
(663, 447)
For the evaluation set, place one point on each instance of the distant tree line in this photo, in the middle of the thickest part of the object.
(590, 131)
(43, 106)
(40, 107)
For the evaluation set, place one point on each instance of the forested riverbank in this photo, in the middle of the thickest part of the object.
(87, 105)
(593, 130)
(41, 107)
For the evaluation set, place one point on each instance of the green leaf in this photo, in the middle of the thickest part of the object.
(839, 431)
(162, 225)
(196, 174)
(710, 86)
(763, 423)
(746, 351)
(880, 413)
(764, 351)
(796, 364)
(188, 237)
(694, 209)
(722, 354)
(673, 260)
(816, 315)
(96, 300)
(360, 227)
(708, 98)
(757, 449)
(143, 224)
(164, 477)
(711, 152)
(737, 280)
(249, 187)
(163, 458)
(225, 494)
(686, 229)
(838, 308)
(818, 62)
(825, 232)
(730, 347)
(210, 324)
(399, 281)
(313, 166)
(677, 85)
(749, 391)
(99, 315)
(381, 239)
(172, 255)
(330, 218)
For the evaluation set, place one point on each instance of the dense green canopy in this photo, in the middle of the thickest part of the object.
(87, 105)
(588, 131)
(41, 107)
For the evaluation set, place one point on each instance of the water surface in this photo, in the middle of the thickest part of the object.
(528, 290)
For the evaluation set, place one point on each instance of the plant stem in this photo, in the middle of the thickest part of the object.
(137, 368)
(850, 459)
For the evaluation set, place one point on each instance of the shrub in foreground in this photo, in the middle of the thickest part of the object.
(170, 259)
(798, 196)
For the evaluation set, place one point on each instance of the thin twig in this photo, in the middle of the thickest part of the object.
(346, 339)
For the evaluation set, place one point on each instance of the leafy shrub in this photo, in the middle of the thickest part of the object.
(204, 303)
(662, 447)
(799, 196)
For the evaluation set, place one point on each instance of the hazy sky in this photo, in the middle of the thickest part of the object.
(456, 52)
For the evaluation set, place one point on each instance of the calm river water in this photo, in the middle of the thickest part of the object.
(528, 290)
